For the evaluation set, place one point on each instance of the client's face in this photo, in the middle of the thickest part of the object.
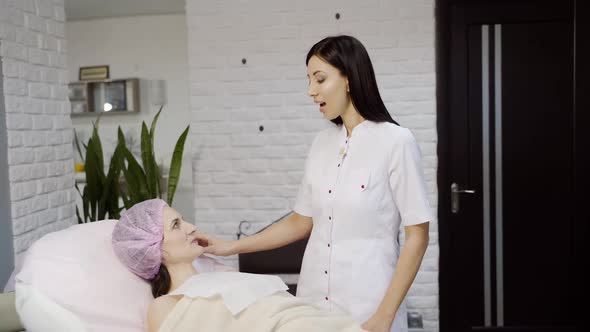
(180, 239)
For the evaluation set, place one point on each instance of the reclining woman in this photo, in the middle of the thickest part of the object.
(155, 243)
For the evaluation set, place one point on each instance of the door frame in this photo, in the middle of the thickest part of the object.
(444, 26)
(6, 238)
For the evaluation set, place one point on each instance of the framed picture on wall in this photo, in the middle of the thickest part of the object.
(94, 73)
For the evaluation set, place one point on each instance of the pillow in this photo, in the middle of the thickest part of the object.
(72, 277)
(42, 314)
(77, 269)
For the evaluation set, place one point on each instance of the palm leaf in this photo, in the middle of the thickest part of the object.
(86, 204)
(91, 169)
(80, 221)
(176, 165)
(109, 199)
(120, 136)
(147, 156)
(77, 189)
(126, 196)
(116, 168)
(134, 177)
(126, 200)
(77, 142)
(155, 164)
(153, 126)
(98, 150)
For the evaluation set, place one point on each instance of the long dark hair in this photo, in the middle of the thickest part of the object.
(161, 282)
(350, 57)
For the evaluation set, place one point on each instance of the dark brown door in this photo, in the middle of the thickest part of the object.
(508, 197)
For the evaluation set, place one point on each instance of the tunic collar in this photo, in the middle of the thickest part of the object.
(359, 128)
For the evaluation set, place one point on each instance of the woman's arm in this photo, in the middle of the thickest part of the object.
(292, 228)
(405, 272)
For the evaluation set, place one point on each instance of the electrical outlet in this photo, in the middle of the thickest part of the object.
(414, 320)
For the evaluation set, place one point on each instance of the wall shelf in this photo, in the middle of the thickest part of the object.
(113, 96)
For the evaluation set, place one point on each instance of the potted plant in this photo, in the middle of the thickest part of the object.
(126, 179)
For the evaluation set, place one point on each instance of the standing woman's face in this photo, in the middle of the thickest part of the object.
(180, 239)
(328, 88)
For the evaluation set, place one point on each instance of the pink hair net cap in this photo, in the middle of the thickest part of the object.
(137, 238)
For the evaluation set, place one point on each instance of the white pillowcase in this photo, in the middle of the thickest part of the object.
(39, 313)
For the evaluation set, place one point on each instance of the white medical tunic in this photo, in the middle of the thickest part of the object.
(359, 190)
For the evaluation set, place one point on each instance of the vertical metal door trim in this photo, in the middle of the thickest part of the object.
(485, 106)
(498, 173)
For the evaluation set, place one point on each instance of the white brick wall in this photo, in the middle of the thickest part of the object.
(242, 173)
(39, 135)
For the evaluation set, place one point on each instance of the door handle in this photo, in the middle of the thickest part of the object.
(455, 191)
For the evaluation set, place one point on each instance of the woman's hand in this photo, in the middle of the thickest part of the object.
(378, 323)
(216, 246)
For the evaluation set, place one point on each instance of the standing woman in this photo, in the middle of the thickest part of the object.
(363, 180)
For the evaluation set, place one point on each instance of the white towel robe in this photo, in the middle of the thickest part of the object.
(242, 302)
(359, 191)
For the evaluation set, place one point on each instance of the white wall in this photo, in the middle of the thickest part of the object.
(149, 48)
(241, 173)
(38, 133)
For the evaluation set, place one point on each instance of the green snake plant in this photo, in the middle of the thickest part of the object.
(142, 183)
(126, 178)
(100, 196)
